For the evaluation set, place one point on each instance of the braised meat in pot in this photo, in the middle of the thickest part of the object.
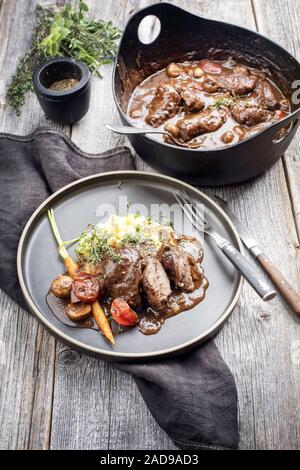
(207, 104)
(164, 105)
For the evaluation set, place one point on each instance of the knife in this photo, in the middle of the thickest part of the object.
(283, 286)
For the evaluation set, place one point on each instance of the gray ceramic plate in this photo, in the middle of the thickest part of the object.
(76, 206)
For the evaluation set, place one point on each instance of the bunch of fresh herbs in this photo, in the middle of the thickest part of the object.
(70, 32)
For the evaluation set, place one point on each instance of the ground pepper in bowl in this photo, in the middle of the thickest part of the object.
(65, 84)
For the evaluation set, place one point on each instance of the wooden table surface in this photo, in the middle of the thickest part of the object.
(53, 397)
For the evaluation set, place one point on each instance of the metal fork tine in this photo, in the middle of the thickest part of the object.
(189, 201)
(181, 202)
(188, 208)
(191, 208)
(188, 212)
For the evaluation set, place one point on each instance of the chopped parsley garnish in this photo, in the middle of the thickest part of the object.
(229, 102)
(223, 102)
(93, 246)
(130, 239)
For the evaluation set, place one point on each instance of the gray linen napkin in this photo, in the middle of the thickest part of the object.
(193, 397)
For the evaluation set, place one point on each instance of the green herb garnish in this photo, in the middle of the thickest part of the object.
(70, 33)
(223, 102)
(93, 246)
(220, 102)
(229, 102)
(130, 239)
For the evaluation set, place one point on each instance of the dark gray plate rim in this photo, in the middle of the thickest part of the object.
(111, 354)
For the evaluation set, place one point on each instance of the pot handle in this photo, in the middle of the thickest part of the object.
(167, 14)
(291, 121)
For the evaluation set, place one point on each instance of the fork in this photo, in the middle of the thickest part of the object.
(128, 130)
(256, 279)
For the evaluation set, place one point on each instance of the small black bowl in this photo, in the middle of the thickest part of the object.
(66, 106)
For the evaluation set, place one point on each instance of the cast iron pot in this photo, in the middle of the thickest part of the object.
(185, 36)
(66, 106)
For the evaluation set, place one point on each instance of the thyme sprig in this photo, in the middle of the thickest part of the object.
(21, 81)
(230, 101)
(70, 32)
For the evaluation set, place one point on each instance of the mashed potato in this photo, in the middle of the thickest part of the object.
(133, 227)
(104, 239)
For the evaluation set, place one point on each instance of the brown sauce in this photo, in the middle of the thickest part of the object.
(150, 321)
(58, 307)
(231, 131)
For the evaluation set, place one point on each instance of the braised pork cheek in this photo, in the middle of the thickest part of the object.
(236, 83)
(156, 284)
(123, 277)
(196, 124)
(251, 115)
(177, 266)
(164, 105)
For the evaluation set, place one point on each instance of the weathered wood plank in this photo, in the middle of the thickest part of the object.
(27, 350)
(277, 425)
(81, 411)
(257, 342)
(27, 372)
(279, 21)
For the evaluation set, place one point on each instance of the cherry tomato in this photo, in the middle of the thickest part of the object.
(211, 67)
(86, 287)
(122, 313)
(279, 114)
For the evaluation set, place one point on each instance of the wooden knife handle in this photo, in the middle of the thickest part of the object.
(283, 286)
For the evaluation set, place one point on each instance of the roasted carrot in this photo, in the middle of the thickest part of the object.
(102, 321)
(72, 268)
